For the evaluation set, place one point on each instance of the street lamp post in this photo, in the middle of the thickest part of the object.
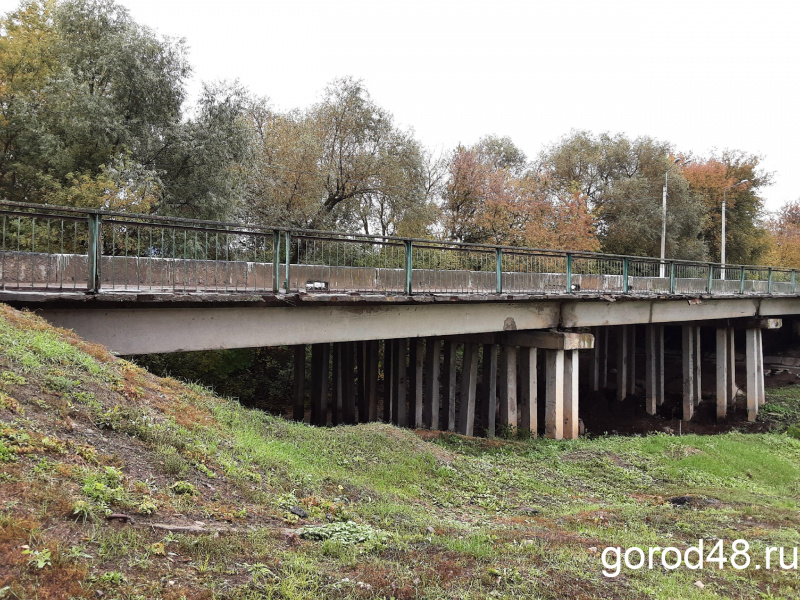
(724, 206)
(675, 163)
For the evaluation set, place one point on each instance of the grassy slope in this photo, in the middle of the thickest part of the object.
(84, 435)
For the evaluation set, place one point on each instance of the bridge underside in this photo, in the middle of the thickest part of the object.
(431, 347)
(144, 324)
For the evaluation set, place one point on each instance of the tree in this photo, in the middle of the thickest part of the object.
(621, 181)
(341, 164)
(708, 178)
(784, 236)
(492, 196)
(91, 113)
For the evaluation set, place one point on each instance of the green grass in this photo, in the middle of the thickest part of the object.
(389, 515)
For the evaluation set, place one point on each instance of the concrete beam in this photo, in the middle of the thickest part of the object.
(623, 349)
(469, 380)
(299, 411)
(528, 392)
(489, 390)
(631, 359)
(659, 331)
(156, 327)
(430, 412)
(698, 365)
(688, 348)
(507, 387)
(320, 364)
(722, 372)
(415, 363)
(650, 368)
(554, 395)
(400, 382)
(548, 340)
(571, 395)
(449, 378)
(754, 367)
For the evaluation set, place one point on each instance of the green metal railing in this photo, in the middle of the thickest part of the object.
(54, 248)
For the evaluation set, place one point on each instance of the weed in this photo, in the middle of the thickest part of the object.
(170, 460)
(82, 511)
(183, 487)
(347, 533)
(39, 558)
(12, 378)
(147, 507)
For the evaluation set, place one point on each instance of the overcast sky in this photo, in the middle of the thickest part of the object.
(702, 74)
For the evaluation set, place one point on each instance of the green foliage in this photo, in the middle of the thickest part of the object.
(347, 533)
(623, 179)
(39, 558)
(183, 488)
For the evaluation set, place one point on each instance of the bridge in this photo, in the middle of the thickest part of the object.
(404, 327)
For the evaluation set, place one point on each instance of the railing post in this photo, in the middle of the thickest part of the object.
(94, 252)
(741, 282)
(769, 281)
(288, 259)
(569, 273)
(499, 269)
(409, 266)
(710, 276)
(276, 262)
(625, 275)
(672, 278)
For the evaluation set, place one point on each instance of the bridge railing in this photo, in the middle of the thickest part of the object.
(51, 248)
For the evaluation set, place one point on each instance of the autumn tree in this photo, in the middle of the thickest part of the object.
(784, 236)
(621, 180)
(492, 196)
(708, 178)
(340, 164)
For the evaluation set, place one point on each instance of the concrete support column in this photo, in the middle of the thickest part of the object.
(698, 364)
(688, 347)
(731, 366)
(338, 384)
(299, 411)
(388, 377)
(320, 364)
(489, 390)
(595, 361)
(722, 365)
(507, 387)
(623, 350)
(469, 379)
(449, 378)
(650, 368)
(399, 380)
(361, 382)
(416, 360)
(554, 396)
(631, 359)
(430, 408)
(762, 396)
(349, 384)
(603, 332)
(752, 360)
(528, 392)
(659, 332)
(372, 379)
(570, 394)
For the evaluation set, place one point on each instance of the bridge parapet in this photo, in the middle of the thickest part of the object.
(50, 248)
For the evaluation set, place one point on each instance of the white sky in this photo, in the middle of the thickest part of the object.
(699, 73)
